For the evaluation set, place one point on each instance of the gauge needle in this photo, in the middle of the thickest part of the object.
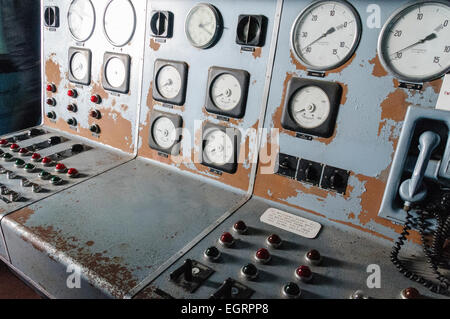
(428, 38)
(201, 25)
(330, 31)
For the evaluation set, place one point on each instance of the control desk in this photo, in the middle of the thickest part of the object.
(235, 150)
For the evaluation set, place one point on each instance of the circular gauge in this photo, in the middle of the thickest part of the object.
(119, 22)
(81, 19)
(203, 26)
(164, 132)
(325, 35)
(226, 92)
(218, 147)
(414, 43)
(310, 107)
(115, 72)
(169, 82)
(79, 66)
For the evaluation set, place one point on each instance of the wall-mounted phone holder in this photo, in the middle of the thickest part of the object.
(422, 158)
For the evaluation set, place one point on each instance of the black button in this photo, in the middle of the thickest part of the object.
(249, 270)
(292, 289)
(212, 252)
(54, 140)
(77, 148)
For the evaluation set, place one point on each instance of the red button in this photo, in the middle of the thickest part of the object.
(71, 108)
(95, 114)
(35, 156)
(46, 160)
(51, 102)
(262, 255)
(72, 93)
(23, 151)
(14, 146)
(410, 293)
(51, 88)
(314, 257)
(72, 172)
(60, 167)
(274, 240)
(240, 227)
(227, 239)
(95, 99)
(3, 142)
(304, 273)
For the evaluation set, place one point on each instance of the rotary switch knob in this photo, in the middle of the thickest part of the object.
(249, 271)
(274, 241)
(304, 273)
(226, 239)
(313, 257)
(240, 227)
(262, 256)
(212, 253)
(291, 290)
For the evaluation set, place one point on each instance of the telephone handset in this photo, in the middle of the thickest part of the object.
(437, 208)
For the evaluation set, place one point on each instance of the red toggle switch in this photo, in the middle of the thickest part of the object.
(60, 168)
(72, 173)
(35, 157)
(96, 99)
(304, 273)
(227, 239)
(51, 88)
(14, 147)
(72, 93)
(263, 256)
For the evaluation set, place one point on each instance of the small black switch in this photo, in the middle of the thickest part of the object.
(34, 132)
(77, 148)
(287, 165)
(190, 275)
(249, 271)
(212, 253)
(291, 290)
(309, 172)
(232, 289)
(54, 140)
(335, 179)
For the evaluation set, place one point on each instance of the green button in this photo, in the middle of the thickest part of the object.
(56, 180)
(44, 175)
(20, 162)
(7, 156)
(29, 167)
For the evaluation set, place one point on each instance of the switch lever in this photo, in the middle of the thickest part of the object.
(185, 270)
(413, 190)
(224, 291)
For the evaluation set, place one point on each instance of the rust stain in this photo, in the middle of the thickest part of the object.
(276, 117)
(394, 107)
(52, 71)
(378, 69)
(257, 53)
(90, 243)
(297, 64)
(23, 215)
(436, 85)
(154, 45)
(124, 107)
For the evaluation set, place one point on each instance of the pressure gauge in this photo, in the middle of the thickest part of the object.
(310, 107)
(326, 34)
(81, 19)
(226, 92)
(164, 132)
(116, 72)
(78, 66)
(169, 82)
(218, 148)
(414, 43)
(203, 26)
(119, 22)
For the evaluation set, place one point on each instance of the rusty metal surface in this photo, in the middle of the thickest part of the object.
(118, 227)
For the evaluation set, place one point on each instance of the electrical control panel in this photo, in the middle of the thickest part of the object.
(208, 150)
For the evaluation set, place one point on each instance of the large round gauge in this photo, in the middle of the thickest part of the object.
(119, 22)
(79, 66)
(310, 107)
(218, 148)
(169, 82)
(203, 26)
(81, 19)
(226, 92)
(164, 132)
(325, 35)
(414, 43)
(115, 72)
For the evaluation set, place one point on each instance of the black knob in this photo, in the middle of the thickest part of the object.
(158, 23)
(77, 148)
(250, 271)
(212, 253)
(54, 140)
(95, 129)
(291, 290)
(185, 270)
(335, 180)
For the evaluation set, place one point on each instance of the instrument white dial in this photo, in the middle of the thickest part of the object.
(169, 82)
(119, 22)
(203, 26)
(79, 66)
(325, 35)
(218, 147)
(164, 132)
(115, 72)
(310, 107)
(226, 92)
(81, 19)
(414, 43)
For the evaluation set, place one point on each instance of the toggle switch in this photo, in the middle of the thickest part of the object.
(191, 275)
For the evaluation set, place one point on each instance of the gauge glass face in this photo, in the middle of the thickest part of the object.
(201, 26)
(115, 72)
(119, 22)
(164, 132)
(226, 92)
(414, 44)
(218, 148)
(310, 107)
(81, 19)
(79, 66)
(326, 34)
(169, 82)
